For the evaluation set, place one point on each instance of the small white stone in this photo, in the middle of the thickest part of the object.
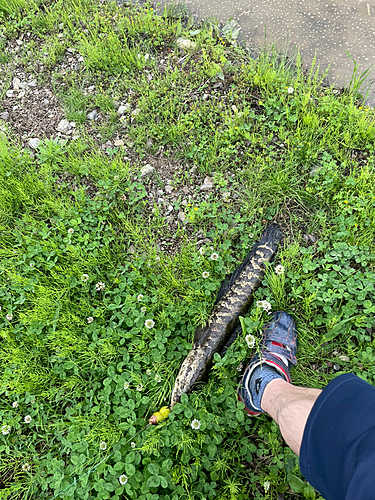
(119, 142)
(146, 170)
(123, 109)
(63, 126)
(81, 59)
(33, 83)
(168, 188)
(181, 216)
(92, 115)
(208, 184)
(183, 43)
(34, 143)
(344, 358)
(9, 93)
(136, 112)
(16, 83)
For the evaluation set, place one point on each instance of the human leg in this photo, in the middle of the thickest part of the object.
(290, 407)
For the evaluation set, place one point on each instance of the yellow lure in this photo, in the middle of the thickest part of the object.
(160, 415)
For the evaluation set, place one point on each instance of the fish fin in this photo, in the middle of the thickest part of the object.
(231, 339)
(272, 234)
(200, 334)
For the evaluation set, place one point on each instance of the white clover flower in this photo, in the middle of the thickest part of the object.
(100, 286)
(149, 323)
(123, 479)
(251, 235)
(9, 316)
(90, 319)
(103, 445)
(84, 277)
(140, 297)
(116, 177)
(239, 367)
(279, 269)
(157, 378)
(32, 264)
(205, 274)
(15, 404)
(26, 467)
(290, 90)
(139, 387)
(148, 372)
(250, 340)
(5, 429)
(214, 256)
(70, 230)
(27, 419)
(266, 486)
(126, 385)
(132, 444)
(195, 424)
(266, 306)
(202, 251)
(143, 309)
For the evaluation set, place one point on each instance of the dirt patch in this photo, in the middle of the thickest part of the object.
(31, 110)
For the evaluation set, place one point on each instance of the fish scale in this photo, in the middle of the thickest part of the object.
(232, 301)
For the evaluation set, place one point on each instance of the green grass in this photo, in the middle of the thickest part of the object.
(285, 148)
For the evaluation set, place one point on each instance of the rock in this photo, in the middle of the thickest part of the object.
(123, 109)
(21, 94)
(119, 142)
(16, 83)
(168, 188)
(131, 249)
(19, 42)
(181, 216)
(183, 43)
(344, 358)
(34, 143)
(92, 115)
(33, 83)
(4, 116)
(208, 184)
(146, 170)
(170, 208)
(63, 126)
(206, 96)
(9, 93)
(136, 112)
(336, 367)
(81, 59)
(73, 124)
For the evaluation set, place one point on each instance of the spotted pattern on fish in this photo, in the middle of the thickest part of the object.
(224, 317)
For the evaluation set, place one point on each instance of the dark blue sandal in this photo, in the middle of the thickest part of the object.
(279, 339)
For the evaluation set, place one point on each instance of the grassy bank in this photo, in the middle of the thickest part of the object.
(176, 146)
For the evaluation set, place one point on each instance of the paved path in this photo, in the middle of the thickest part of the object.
(329, 28)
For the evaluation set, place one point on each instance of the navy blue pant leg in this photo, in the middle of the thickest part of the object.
(337, 454)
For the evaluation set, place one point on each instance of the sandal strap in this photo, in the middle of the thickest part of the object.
(270, 359)
(282, 330)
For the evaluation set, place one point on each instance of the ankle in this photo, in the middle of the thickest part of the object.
(271, 396)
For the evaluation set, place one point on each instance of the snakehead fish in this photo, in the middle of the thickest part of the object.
(232, 301)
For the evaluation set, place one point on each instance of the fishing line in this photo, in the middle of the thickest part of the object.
(97, 465)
